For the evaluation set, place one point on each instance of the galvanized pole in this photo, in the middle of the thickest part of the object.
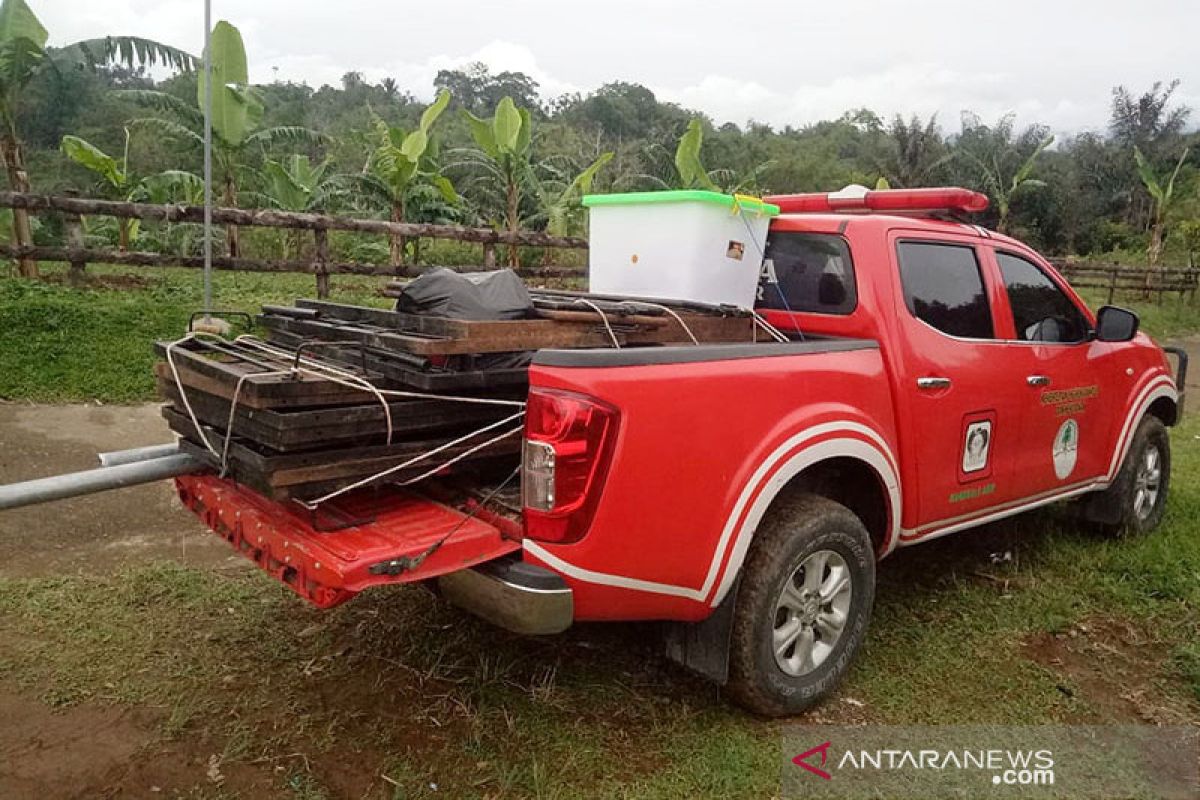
(208, 95)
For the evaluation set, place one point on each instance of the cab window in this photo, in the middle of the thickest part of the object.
(943, 286)
(1041, 311)
(809, 272)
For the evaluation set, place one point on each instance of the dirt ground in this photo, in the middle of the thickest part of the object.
(102, 531)
(94, 749)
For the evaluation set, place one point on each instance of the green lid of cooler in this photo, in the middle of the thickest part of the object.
(740, 201)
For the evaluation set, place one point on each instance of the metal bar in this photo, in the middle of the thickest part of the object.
(73, 484)
(118, 457)
(208, 155)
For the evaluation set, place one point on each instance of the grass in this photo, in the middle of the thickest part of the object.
(396, 695)
(1172, 317)
(64, 344)
(59, 343)
(407, 694)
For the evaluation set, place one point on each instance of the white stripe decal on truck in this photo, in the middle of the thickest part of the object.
(877, 454)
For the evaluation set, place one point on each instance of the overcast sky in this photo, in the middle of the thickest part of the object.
(777, 61)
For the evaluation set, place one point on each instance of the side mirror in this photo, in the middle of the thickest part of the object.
(1116, 324)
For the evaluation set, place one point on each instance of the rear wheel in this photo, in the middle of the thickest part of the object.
(803, 606)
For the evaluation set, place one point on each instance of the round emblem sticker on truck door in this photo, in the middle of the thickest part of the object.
(1066, 448)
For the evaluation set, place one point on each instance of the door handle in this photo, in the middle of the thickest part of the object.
(1038, 380)
(933, 383)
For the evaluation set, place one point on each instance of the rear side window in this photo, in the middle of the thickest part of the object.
(943, 286)
(1041, 312)
(808, 272)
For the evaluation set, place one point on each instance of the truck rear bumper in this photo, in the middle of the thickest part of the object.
(512, 594)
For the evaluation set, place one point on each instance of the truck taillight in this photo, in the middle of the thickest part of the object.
(568, 444)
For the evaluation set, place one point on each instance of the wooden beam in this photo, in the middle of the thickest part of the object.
(272, 218)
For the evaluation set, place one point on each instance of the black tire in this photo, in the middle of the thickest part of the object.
(796, 528)
(1115, 511)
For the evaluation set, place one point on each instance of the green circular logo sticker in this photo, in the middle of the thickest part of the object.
(1066, 448)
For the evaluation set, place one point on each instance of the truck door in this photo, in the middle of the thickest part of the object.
(1065, 437)
(958, 391)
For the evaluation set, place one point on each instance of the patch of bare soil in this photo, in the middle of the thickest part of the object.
(99, 532)
(46, 754)
(93, 751)
(1115, 668)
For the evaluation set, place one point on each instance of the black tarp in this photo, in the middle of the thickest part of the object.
(443, 292)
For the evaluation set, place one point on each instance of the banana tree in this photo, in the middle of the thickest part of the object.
(116, 179)
(237, 113)
(399, 162)
(502, 162)
(994, 151)
(1163, 196)
(692, 174)
(24, 57)
(295, 184)
(559, 197)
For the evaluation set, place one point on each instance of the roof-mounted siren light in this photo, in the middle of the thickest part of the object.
(860, 198)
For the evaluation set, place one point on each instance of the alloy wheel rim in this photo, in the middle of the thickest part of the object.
(811, 612)
(1147, 483)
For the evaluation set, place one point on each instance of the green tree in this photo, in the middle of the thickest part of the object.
(1002, 160)
(1152, 123)
(23, 57)
(505, 173)
(913, 152)
(401, 161)
(237, 114)
(116, 179)
(1163, 195)
(501, 165)
(476, 89)
(296, 184)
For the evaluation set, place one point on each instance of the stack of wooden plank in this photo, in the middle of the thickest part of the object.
(297, 435)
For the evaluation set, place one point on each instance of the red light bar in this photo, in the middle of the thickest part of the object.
(859, 198)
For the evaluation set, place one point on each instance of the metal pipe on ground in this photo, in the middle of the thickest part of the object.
(73, 484)
(132, 456)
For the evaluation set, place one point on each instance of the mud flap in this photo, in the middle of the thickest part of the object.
(703, 647)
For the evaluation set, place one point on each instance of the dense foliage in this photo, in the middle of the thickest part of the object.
(373, 149)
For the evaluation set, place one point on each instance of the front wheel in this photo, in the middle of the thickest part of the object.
(1134, 504)
(803, 606)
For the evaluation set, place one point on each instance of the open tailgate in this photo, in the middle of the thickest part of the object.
(369, 539)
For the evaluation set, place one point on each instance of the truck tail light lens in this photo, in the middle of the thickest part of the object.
(569, 439)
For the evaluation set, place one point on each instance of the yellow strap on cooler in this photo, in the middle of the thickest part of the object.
(738, 199)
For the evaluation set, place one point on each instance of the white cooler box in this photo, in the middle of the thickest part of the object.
(680, 245)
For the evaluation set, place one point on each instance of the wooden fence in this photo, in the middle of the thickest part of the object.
(71, 211)
(1142, 280)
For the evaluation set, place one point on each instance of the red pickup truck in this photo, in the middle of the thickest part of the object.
(938, 376)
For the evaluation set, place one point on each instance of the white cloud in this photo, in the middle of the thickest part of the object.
(777, 61)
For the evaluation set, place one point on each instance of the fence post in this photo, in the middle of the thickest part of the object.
(73, 224)
(321, 262)
(489, 255)
(1112, 284)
